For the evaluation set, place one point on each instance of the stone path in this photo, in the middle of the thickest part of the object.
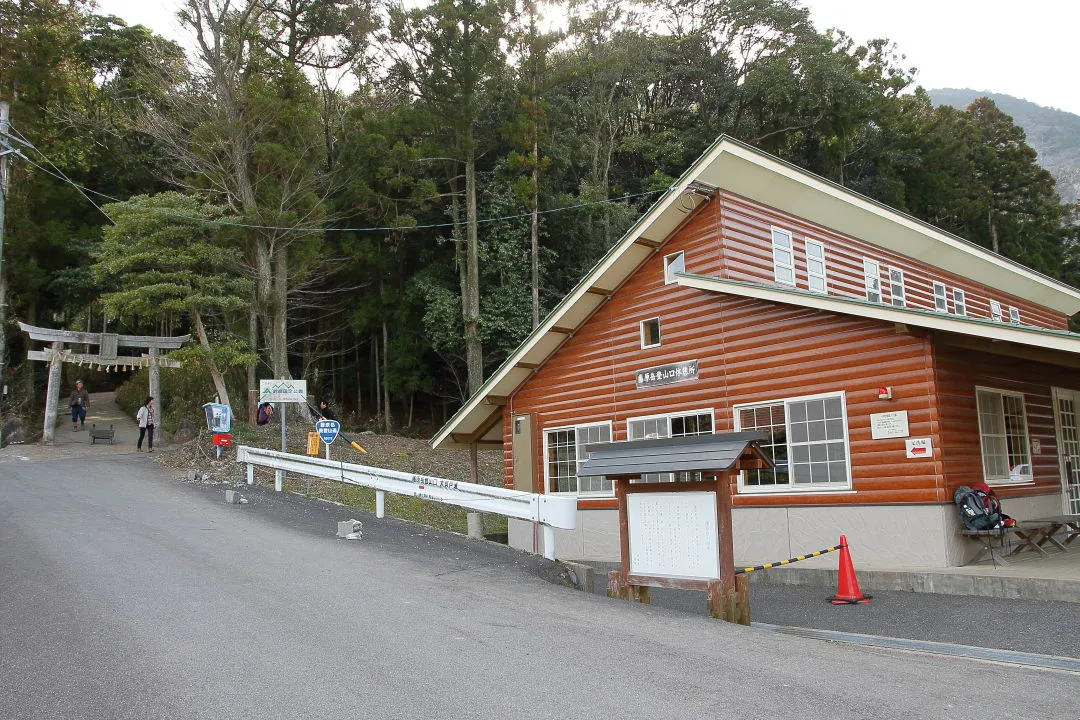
(69, 444)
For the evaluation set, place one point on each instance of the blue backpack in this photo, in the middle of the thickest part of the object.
(977, 509)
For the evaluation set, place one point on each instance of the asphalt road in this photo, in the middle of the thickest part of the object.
(124, 594)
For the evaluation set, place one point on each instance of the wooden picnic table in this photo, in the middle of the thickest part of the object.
(1029, 535)
(1069, 524)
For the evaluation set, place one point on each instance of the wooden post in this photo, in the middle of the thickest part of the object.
(155, 392)
(729, 598)
(52, 398)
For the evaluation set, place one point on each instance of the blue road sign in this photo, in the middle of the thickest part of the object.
(328, 430)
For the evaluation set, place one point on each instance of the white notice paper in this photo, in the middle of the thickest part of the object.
(673, 535)
(889, 425)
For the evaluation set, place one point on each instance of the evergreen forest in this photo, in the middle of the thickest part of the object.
(385, 197)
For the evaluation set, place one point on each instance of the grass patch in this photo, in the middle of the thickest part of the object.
(437, 515)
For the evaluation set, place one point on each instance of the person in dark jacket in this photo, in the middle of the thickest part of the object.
(79, 402)
(323, 413)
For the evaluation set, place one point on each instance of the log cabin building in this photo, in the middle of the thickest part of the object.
(888, 362)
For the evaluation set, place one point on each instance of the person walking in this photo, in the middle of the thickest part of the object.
(79, 402)
(146, 420)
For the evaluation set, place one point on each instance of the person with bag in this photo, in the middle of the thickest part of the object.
(147, 422)
(79, 402)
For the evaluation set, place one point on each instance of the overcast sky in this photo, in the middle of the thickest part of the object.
(1027, 49)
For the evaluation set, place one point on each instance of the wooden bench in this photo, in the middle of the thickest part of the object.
(1069, 524)
(1029, 535)
(96, 434)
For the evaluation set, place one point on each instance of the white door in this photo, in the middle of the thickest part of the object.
(1067, 416)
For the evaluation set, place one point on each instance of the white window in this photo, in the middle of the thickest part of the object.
(674, 263)
(783, 257)
(650, 333)
(807, 440)
(872, 279)
(959, 301)
(695, 422)
(1014, 315)
(941, 302)
(815, 266)
(1004, 436)
(995, 311)
(896, 287)
(564, 451)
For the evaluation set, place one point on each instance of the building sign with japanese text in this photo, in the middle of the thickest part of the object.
(666, 374)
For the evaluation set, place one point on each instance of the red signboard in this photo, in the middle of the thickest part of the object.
(222, 439)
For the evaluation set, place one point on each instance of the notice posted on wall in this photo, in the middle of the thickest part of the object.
(889, 425)
(673, 535)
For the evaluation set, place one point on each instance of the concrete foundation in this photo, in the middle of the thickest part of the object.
(881, 537)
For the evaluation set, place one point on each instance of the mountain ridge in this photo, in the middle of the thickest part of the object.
(1054, 134)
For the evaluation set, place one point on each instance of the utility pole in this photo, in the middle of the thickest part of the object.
(5, 150)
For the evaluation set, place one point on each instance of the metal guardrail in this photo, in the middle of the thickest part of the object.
(550, 512)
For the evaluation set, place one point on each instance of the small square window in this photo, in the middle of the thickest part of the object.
(995, 311)
(1014, 315)
(674, 263)
(650, 333)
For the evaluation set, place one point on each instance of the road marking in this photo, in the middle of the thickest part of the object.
(1011, 657)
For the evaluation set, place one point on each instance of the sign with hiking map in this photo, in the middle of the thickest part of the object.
(283, 391)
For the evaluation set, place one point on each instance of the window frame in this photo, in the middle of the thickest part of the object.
(1027, 478)
(641, 333)
(893, 285)
(944, 297)
(823, 275)
(790, 250)
(547, 475)
(1014, 315)
(995, 311)
(669, 416)
(876, 277)
(791, 488)
(959, 298)
(669, 260)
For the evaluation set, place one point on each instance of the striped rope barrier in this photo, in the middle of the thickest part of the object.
(797, 558)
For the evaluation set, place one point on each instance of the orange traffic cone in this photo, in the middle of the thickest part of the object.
(848, 592)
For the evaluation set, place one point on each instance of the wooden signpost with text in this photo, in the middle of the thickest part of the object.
(678, 534)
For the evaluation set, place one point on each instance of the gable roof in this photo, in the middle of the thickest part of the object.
(736, 167)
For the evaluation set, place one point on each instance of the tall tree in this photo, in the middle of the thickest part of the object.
(447, 54)
(164, 254)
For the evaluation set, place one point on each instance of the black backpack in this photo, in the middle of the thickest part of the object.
(977, 508)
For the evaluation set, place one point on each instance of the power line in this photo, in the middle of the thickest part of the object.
(62, 176)
(206, 221)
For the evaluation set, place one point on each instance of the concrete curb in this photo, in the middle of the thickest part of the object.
(922, 581)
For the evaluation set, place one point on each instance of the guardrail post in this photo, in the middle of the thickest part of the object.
(250, 474)
(380, 504)
(279, 480)
(549, 542)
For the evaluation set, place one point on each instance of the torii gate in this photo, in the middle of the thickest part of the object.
(56, 355)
